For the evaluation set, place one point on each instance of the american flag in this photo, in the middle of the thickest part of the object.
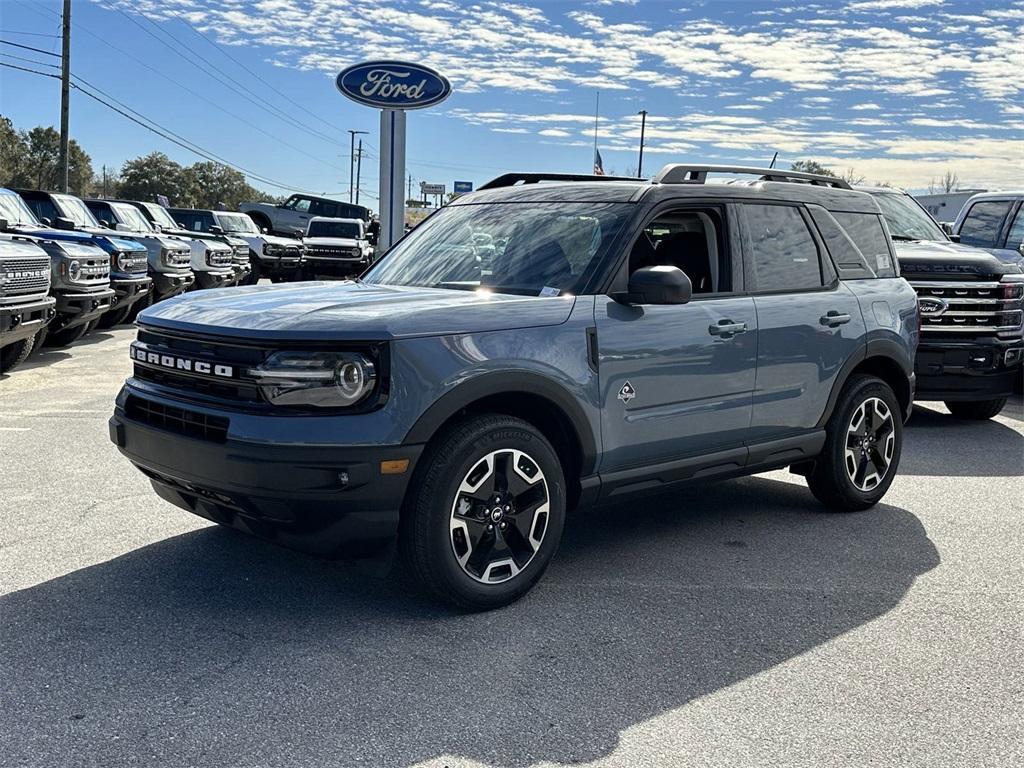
(598, 165)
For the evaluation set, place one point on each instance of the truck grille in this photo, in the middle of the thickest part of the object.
(19, 276)
(178, 420)
(221, 258)
(94, 271)
(336, 252)
(969, 308)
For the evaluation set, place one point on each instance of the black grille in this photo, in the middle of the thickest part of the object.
(226, 390)
(178, 420)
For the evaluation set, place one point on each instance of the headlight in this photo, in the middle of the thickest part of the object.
(74, 270)
(321, 379)
(124, 262)
(270, 250)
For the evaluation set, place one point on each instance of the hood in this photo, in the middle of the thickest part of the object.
(342, 242)
(928, 259)
(18, 249)
(351, 311)
(84, 237)
(275, 240)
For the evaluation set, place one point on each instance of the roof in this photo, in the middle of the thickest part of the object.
(1007, 195)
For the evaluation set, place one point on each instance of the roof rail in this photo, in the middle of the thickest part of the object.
(681, 173)
(511, 179)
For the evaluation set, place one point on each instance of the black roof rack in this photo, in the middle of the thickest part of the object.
(681, 173)
(511, 179)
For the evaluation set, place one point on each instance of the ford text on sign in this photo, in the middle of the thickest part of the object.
(393, 85)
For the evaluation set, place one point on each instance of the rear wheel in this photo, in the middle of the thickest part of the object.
(68, 336)
(15, 354)
(862, 449)
(257, 268)
(977, 410)
(117, 316)
(484, 514)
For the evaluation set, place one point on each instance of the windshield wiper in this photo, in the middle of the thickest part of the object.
(905, 239)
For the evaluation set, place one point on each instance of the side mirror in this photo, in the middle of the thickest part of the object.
(180, 225)
(46, 221)
(215, 230)
(947, 228)
(657, 285)
(1020, 249)
(61, 223)
(264, 230)
(3, 225)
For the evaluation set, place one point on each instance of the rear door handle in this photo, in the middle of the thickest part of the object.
(833, 319)
(726, 328)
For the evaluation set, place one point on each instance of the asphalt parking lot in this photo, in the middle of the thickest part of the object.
(730, 625)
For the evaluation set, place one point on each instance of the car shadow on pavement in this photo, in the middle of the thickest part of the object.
(214, 649)
(938, 444)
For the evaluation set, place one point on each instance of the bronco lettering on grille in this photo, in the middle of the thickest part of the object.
(176, 363)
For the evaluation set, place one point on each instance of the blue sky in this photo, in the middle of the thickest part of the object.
(897, 90)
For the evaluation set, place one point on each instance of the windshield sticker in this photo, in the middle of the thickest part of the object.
(549, 291)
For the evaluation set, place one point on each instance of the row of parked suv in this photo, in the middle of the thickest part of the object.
(554, 341)
(108, 259)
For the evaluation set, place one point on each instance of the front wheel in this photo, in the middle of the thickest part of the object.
(978, 410)
(68, 336)
(862, 448)
(15, 354)
(485, 512)
(116, 316)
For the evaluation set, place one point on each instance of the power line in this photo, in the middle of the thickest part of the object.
(20, 32)
(279, 113)
(30, 61)
(224, 51)
(174, 138)
(29, 48)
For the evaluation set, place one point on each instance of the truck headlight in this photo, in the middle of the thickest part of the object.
(74, 269)
(320, 379)
(270, 250)
(124, 262)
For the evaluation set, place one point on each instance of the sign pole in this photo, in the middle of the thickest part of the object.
(392, 177)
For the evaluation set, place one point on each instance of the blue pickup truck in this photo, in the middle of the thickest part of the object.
(548, 341)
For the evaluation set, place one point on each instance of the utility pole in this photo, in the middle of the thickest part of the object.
(643, 126)
(359, 168)
(352, 162)
(104, 182)
(408, 195)
(65, 94)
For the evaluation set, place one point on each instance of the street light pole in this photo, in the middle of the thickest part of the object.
(352, 162)
(359, 169)
(65, 96)
(643, 127)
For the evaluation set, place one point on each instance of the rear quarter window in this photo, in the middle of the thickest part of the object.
(868, 234)
(982, 223)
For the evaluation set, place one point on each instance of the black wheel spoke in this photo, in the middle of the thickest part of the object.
(878, 462)
(483, 552)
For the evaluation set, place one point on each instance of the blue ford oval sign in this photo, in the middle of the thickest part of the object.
(393, 85)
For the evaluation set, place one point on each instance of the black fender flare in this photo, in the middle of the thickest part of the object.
(874, 348)
(508, 383)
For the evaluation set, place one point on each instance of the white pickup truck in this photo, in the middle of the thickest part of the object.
(292, 217)
(336, 247)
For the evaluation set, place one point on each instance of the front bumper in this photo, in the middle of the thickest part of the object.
(19, 322)
(318, 498)
(280, 265)
(167, 284)
(129, 290)
(968, 370)
(74, 309)
(242, 271)
(219, 279)
(327, 265)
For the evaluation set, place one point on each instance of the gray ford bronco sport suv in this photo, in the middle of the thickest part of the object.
(607, 337)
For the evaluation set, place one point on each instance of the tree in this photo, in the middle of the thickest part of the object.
(156, 174)
(39, 165)
(810, 166)
(950, 182)
(850, 176)
(214, 184)
(13, 151)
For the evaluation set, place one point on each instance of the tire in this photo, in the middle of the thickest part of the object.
(117, 316)
(15, 354)
(857, 465)
(146, 301)
(39, 340)
(253, 277)
(464, 543)
(69, 336)
(978, 410)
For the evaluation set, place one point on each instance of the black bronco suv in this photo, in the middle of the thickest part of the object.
(545, 342)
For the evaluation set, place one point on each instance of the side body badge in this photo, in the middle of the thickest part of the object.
(627, 392)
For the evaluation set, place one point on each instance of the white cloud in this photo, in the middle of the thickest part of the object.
(865, 107)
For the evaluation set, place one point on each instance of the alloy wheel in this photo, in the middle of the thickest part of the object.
(870, 442)
(499, 516)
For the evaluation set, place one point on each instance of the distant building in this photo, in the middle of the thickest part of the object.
(944, 206)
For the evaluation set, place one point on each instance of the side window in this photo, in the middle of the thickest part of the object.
(865, 229)
(691, 239)
(1016, 236)
(784, 252)
(300, 204)
(981, 225)
(317, 208)
(43, 209)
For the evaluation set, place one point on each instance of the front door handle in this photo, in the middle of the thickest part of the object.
(834, 319)
(726, 328)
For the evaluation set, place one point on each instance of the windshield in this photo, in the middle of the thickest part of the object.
(130, 216)
(74, 209)
(349, 229)
(236, 223)
(906, 219)
(161, 216)
(531, 249)
(13, 208)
